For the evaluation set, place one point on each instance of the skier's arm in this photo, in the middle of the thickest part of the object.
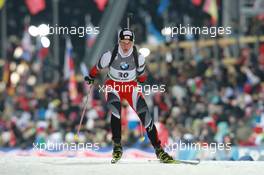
(102, 63)
(141, 76)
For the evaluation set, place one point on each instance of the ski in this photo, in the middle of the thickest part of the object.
(155, 161)
(190, 162)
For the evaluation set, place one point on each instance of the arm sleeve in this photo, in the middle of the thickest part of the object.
(102, 63)
(141, 69)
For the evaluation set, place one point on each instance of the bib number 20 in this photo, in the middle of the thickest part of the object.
(123, 75)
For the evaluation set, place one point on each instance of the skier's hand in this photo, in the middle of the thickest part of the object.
(141, 79)
(89, 80)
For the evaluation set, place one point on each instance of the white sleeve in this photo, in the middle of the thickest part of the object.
(141, 64)
(104, 61)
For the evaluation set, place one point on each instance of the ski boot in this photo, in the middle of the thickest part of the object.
(117, 152)
(163, 156)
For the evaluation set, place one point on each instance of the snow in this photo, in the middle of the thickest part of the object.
(18, 165)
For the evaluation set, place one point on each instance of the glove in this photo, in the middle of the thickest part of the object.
(89, 79)
(142, 78)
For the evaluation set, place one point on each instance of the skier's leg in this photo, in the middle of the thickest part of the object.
(114, 105)
(138, 103)
(147, 121)
(144, 115)
(113, 102)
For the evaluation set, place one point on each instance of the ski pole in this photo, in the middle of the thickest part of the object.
(83, 112)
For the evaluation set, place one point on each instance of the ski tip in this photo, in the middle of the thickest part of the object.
(190, 162)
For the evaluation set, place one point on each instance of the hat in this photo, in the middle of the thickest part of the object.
(126, 34)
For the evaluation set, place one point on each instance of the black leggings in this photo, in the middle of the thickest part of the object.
(143, 112)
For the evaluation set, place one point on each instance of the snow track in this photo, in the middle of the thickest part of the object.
(14, 165)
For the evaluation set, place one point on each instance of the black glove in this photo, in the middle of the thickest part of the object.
(89, 79)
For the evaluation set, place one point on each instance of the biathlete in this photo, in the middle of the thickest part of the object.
(126, 69)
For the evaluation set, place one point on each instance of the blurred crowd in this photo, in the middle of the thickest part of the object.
(206, 100)
(212, 100)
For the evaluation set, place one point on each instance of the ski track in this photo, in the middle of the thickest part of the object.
(15, 165)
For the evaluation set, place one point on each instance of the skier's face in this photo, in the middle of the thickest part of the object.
(125, 45)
